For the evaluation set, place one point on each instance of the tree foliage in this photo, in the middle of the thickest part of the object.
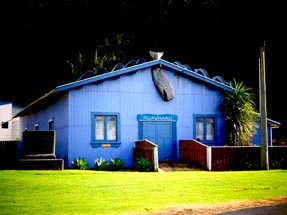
(104, 56)
(238, 108)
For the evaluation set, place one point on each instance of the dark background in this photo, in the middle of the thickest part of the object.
(222, 36)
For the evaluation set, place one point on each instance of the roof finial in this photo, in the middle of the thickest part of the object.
(156, 55)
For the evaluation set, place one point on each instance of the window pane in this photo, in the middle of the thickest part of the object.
(99, 128)
(50, 125)
(209, 128)
(5, 125)
(36, 127)
(199, 128)
(111, 128)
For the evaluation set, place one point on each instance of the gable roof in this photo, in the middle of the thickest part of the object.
(130, 68)
(120, 69)
(199, 74)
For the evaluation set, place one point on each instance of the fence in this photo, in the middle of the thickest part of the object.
(227, 158)
(9, 154)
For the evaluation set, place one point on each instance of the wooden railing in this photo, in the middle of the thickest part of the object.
(193, 151)
(146, 149)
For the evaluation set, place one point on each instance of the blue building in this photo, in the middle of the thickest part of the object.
(102, 116)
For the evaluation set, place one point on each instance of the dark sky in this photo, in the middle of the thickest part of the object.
(223, 37)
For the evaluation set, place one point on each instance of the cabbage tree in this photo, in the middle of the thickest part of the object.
(238, 109)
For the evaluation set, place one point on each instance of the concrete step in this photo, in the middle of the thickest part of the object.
(40, 164)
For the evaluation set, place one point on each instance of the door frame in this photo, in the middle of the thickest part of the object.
(160, 118)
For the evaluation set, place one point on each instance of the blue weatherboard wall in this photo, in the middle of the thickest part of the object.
(131, 95)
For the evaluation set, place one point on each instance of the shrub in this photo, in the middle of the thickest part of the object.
(80, 163)
(101, 164)
(116, 164)
(143, 165)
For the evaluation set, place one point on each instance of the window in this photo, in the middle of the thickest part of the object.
(5, 125)
(50, 124)
(105, 129)
(36, 127)
(205, 128)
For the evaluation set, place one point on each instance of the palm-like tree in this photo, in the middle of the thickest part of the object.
(238, 108)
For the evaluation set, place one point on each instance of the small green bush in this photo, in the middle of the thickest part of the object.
(116, 164)
(101, 164)
(80, 163)
(143, 165)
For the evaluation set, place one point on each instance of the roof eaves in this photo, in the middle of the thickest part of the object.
(106, 75)
(19, 113)
(273, 124)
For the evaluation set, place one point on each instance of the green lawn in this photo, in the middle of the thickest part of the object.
(105, 192)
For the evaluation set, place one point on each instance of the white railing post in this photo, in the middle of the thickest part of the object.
(155, 158)
(208, 158)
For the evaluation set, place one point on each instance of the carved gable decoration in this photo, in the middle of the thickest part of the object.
(162, 84)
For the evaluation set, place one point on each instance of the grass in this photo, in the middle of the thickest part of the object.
(105, 192)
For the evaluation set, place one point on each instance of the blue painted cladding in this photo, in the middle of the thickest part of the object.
(257, 136)
(131, 95)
